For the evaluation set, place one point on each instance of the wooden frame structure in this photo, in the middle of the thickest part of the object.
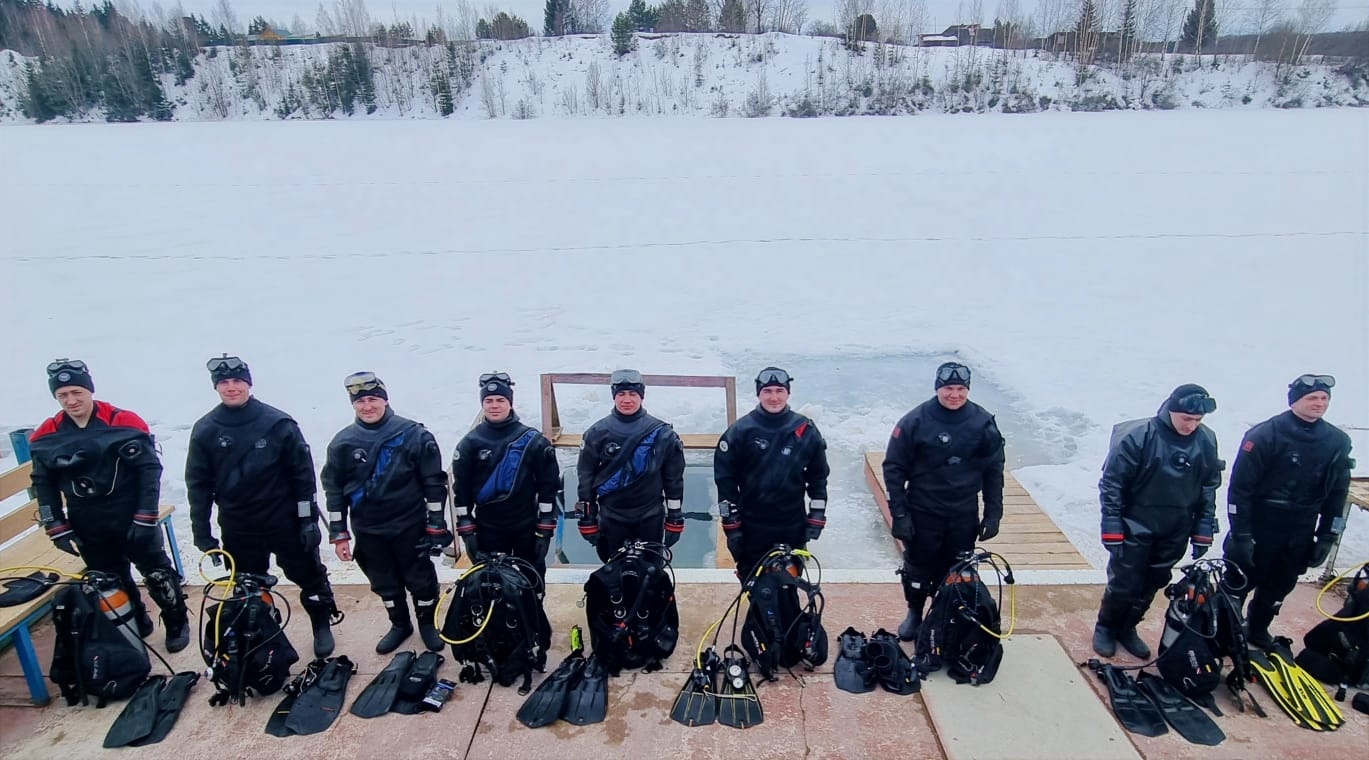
(551, 416)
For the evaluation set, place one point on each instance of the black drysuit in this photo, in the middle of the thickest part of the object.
(387, 478)
(764, 464)
(108, 475)
(504, 479)
(253, 462)
(1162, 486)
(627, 498)
(1288, 488)
(936, 465)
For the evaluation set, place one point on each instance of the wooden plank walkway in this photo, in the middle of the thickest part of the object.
(1359, 492)
(1027, 536)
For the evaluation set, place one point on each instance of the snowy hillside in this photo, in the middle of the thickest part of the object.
(711, 75)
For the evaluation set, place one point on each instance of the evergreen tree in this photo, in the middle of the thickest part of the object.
(36, 100)
(864, 29)
(621, 34)
(482, 30)
(697, 16)
(1127, 43)
(1200, 26)
(670, 17)
(642, 16)
(732, 17)
(556, 18)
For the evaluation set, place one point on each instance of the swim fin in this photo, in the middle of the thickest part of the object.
(379, 695)
(1187, 719)
(25, 589)
(1306, 692)
(852, 671)
(170, 702)
(1274, 681)
(545, 704)
(697, 702)
(894, 670)
(139, 714)
(1136, 713)
(587, 700)
(738, 705)
(319, 705)
(415, 684)
(275, 725)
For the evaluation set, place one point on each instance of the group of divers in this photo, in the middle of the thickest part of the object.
(97, 472)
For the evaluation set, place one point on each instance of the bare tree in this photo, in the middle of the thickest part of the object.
(1261, 16)
(589, 15)
(788, 16)
(224, 15)
(1312, 17)
(352, 18)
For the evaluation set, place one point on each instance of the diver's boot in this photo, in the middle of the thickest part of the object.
(1104, 642)
(145, 624)
(320, 620)
(1258, 636)
(1131, 641)
(400, 627)
(423, 612)
(164, 586)
(912, 624)
(1257, 626)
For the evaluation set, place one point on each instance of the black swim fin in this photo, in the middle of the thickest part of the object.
(139, 715)
(20, 590)
(852, 671)
(1187, 719)
(379, 695)
(170, 702)
(319, 705)
(1134, 711)
(415, 684)
(547, 702)
(275, 725)
(697, 702)
(738, 705)
(587, 699)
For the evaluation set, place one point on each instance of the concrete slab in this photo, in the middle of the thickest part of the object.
(1039, 706)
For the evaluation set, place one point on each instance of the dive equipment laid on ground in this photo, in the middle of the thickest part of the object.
(438, 695)
(1186, 718)
(852, 671)
(962, 631)
(738, 705)
(379, 695)
(576, 691)
(1134, 711)
(152, 711)
(313, 699)
(1296, 692)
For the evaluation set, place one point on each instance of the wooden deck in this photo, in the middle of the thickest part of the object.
(690, 440)
(1359, 492)
(1027, 536)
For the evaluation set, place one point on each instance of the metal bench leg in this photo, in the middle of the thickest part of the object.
(33, 670)
(175, 548)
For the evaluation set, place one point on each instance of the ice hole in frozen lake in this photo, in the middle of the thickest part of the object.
(854, 400)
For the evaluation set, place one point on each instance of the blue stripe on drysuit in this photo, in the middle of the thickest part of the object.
(384, 458)
(500, 482)
(633, 468)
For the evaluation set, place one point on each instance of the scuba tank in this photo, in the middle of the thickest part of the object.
(116, 604)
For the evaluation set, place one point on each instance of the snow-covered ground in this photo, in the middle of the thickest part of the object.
(1083, 264)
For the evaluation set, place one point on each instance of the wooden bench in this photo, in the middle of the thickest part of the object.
(28, 545)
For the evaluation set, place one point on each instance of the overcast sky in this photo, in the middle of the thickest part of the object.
(940, 13)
